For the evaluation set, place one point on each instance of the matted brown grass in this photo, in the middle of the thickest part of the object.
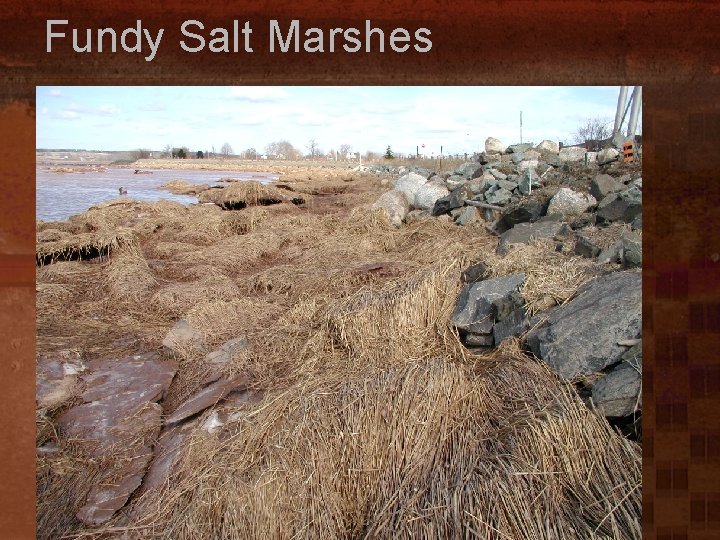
(376, 422)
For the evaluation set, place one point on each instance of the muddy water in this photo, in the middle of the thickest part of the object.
(61, 195)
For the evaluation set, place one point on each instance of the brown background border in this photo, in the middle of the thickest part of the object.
(668, 47)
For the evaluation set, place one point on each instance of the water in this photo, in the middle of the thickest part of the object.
(61, 195)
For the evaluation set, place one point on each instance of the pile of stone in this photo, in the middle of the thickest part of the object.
(589, 205)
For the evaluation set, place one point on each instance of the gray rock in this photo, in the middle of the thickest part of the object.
(524, 181)
(530, 211)
(497, 174)
(519, 148)
(618, 393)
(409, 185)
(581, 337)
(571, 153)
(567, 202)
(494, 146)
(394, 204)
(611, 254)
(428, 194)
(490, 159)
(515, 324)
(631, 250)
(603, 185)
(479, 340)
(469, 170)
(517, 157)
(528, 164)
(499, 197)
(548, 146)
(623, 206)
(585, 248)
(523, 233)
(507, 184)
(469, 215)
(607, 155)
(416, 216)
(637, 183)
(586, 219)
(455, 181)
(637, 223)
(479, 304)
(456, 199)
(473, 273)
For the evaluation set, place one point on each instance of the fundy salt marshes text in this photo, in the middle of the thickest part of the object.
(282, 38)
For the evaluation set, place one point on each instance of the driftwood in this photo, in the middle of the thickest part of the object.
(470, 202)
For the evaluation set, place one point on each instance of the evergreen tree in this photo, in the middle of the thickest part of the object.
(389, 153)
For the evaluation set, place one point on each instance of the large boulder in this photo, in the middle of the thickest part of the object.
(581, 337)
(567, 202)
(499, 196)
(524, 233)
(409, 184)
(624, 206)
(482, 303)
(548, 146)
(455, 181)
(469, 170)
(519, 148)
(469, 215)
(494, 146)
(603, 185)
(528, 175)
(572, 153)
(395, 206)
(618, 393)
(607, 155)
(428, 194)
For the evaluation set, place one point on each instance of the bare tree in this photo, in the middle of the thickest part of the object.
(226, 150)
(251, 153)
(281, 150)
(313, 148)
(345, 149)
(593, 130)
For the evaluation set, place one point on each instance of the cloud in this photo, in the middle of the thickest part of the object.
(69, 115)
(258, 93)
(55, 92)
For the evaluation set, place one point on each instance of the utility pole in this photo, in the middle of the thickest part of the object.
(520, 127)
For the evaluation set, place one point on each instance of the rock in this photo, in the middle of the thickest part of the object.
(119, 416)
(524, 181)
(637, 223)
(469, 215)
(548, 146)
(517, 157)
(611, 254)
(473, 273)
(499, 196)
(528, 164)
(631, 250)
(623, 206)
(637, 183)
(416, 216)
(489, 158)
(586, 219)
(425, 173)
(428, 194)
(507, 184)
(607, 155)
(494, 146)
(567, 202)
(395, 206)
(580, 337)
(528, 212)
(207, 397)
(603, 185)
(479, 340)
(523, 233)
(181, 337)
(519, 148)
(221, 357)
(515, 324)
(479, 304)
(571, 153)
(585, 248)
(497, 175)
(455, 181)
(469, 170)
(618, 393)
(409, 185)
(456, 199)
(56, 379)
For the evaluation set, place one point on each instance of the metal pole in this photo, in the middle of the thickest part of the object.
(619, 112)
(634, 111)
(520, 127)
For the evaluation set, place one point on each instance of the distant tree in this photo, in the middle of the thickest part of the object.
(313, 150)
(141, 153)
(181, 154)
(345, 149)
(389, 153)
(370, 155)
(167, 151)
(226, 150)
(251, 153)
(593, 129)
(282, 150)
(199, 154)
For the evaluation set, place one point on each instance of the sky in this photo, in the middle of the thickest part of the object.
(458, 118)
